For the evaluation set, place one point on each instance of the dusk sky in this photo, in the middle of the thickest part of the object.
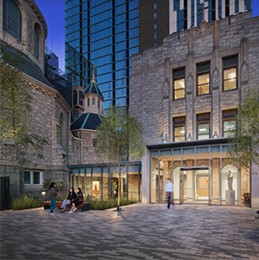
(53, 11)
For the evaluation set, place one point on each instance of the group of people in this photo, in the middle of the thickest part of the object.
(73, 198)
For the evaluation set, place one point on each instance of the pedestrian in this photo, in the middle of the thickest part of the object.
(169, 189)
(52, 193)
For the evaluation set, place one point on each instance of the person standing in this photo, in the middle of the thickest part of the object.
(169, 189)
(52, 192)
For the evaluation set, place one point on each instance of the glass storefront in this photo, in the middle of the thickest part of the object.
(101, 182)
(200, 174)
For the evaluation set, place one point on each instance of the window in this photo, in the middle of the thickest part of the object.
(230, 73)
(33, 177)
(203, 126)
(179, 83)
(93, 101)
(12, 19)
(36, 40)
(203, 78)
(179, 129)
(229, 122)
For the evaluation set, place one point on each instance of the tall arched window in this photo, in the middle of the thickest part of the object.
(36, 40)
(12, 19)
(61, 123)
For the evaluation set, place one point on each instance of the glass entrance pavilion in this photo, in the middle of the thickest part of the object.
(201, 171)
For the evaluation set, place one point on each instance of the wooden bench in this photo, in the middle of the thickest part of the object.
(83, 206)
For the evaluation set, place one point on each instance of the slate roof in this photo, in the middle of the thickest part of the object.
(93, 88)
(87, 121)
(20, 61)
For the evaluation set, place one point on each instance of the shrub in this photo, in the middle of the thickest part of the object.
(25, 203)
(107, 204)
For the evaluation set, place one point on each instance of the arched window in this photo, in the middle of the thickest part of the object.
(61, 123)
(36, 40)
(12, 19)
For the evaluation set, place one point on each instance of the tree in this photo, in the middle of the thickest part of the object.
(246, 137)
(15, 107)
(119, 141)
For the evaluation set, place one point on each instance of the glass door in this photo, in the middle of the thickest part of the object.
(202, 185)
(194, 185)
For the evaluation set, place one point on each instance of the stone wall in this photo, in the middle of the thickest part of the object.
(47, 104)
(151, 82)
(151, 91)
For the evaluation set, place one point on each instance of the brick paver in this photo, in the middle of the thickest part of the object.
(137, 232)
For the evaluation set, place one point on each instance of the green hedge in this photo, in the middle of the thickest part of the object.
(107, 204)
(25, 203)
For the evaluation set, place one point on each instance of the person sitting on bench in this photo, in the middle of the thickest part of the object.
(70, 198)
(79, 200)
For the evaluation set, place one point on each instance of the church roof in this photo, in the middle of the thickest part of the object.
(23, 63)
(87, 121)
(93, 88)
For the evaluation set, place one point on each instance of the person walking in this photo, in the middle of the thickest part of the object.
(52, 192)
(169, 190)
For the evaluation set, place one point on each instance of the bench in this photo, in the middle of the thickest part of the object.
(83, 206)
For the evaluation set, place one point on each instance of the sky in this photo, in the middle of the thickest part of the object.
(53, 12)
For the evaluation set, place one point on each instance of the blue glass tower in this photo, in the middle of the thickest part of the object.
(103, 34)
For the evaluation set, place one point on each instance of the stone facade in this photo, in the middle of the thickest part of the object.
(151, 97)
(50, 113)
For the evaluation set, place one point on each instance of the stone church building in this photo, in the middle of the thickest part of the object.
(23, 31)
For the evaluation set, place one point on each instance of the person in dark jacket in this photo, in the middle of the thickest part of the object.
(70, 199)
(78, 200)
(52, 192)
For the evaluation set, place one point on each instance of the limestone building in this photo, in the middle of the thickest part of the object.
(23, 32)
(186, 94)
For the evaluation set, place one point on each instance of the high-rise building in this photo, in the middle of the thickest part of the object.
(185, 14)
(105, 33)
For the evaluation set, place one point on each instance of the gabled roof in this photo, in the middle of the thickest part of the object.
(87, 121)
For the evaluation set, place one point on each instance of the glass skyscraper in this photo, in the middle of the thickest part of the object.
(103, 34)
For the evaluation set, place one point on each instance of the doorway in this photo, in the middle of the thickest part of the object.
(194, 185)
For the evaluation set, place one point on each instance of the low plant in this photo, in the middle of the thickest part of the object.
(25, 202)
(107, 204)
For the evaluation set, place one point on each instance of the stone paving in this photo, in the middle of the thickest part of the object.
(137, 232)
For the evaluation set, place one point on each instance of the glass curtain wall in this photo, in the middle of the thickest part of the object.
(101, 183)
(200, 174)
(104, 33)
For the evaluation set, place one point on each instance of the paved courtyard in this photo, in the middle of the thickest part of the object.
(137, 232)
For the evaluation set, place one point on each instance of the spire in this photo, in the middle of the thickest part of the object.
(93, 88)
(93, 75)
